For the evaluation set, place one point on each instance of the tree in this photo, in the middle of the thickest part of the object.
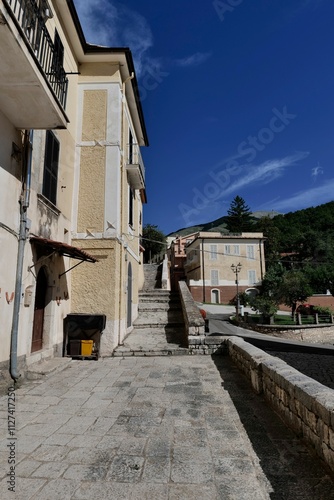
(294, 288)
(239, 217)
(267, 302)
(154, 241)
(272, 281)
(266, 305)
(321, 277)
(272, 243)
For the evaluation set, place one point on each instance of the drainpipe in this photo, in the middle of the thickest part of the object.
(203, 270)
(24, 227)
(261, 264)
(121, 207)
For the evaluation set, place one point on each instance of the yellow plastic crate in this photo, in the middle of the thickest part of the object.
(86, 347)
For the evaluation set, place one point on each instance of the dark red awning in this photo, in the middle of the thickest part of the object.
(63, 249)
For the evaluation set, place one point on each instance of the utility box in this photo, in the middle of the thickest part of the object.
(82, 335)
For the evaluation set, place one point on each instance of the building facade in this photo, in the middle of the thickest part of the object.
(209, 261)
(109, 194)
(177, 257)
(72, 182)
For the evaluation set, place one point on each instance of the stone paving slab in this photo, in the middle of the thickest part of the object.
(154, 428)
(153, 342)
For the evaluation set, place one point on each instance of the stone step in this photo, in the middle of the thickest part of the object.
(166, 316)
(159, 292)
(169, 351)
(44, 368)
(160, 303)
(158, 306)
(159, 296)
(170, 327)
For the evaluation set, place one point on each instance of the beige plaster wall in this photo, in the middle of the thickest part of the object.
(92, 162)
(98, 288)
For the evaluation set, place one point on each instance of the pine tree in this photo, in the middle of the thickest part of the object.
(239, 217)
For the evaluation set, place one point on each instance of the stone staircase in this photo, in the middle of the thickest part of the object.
(159, 328)
(152, 275)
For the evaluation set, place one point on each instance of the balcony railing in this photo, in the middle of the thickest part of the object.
(30, 19)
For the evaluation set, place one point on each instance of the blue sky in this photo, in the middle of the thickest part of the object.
(237, 97)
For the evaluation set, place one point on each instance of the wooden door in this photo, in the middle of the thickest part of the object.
(40, 302)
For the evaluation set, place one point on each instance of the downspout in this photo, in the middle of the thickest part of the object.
(24, 204)
(203, 270)
(261, 263)
(121, 207)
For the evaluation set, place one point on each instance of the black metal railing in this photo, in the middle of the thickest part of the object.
(30, 18)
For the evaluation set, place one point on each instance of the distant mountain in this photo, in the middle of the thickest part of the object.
(262, 213)
(218, 225)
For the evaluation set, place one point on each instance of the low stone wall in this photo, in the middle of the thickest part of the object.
(305, 405)
(194, 323)
(200, 344)
(314, 334)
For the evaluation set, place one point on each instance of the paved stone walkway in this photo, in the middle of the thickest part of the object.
(177, 427)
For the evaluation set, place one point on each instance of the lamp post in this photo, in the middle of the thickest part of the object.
(236, 269)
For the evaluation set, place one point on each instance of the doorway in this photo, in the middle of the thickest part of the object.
(39, 309)
(129, 304)
(215, 296)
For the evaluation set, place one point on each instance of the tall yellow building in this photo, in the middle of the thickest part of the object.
(110, 192)
(72, 182)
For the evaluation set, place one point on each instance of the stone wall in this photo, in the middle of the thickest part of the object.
(314, 334)
(194, 323)
(305, 405)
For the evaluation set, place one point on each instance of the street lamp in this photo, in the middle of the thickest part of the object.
(236, 269)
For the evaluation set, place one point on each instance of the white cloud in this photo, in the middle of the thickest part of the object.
(109, 23)
(194, 60)
(318, 170)
(264, 173)
(303, 199)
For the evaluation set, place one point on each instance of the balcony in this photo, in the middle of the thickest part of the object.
(135, 167)
(33, 82)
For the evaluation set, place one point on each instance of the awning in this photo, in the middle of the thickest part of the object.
(62, 249)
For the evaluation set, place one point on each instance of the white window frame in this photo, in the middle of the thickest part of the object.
(213, 252)
(228, 249)
(252, 277)
(214, 277)
(236, 249)
(250, 249)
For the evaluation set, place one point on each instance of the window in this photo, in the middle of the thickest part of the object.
(58, 55)
(214, 277)
(213, 252)
(130, 148)
(131, 199)
(251, 277)
(232, 249)
(250, 252)
(51, 160)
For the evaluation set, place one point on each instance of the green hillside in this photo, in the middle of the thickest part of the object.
(218, 225)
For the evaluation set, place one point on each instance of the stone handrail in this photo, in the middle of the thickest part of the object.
(304, 404)
(165, 277)
(195, 324)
